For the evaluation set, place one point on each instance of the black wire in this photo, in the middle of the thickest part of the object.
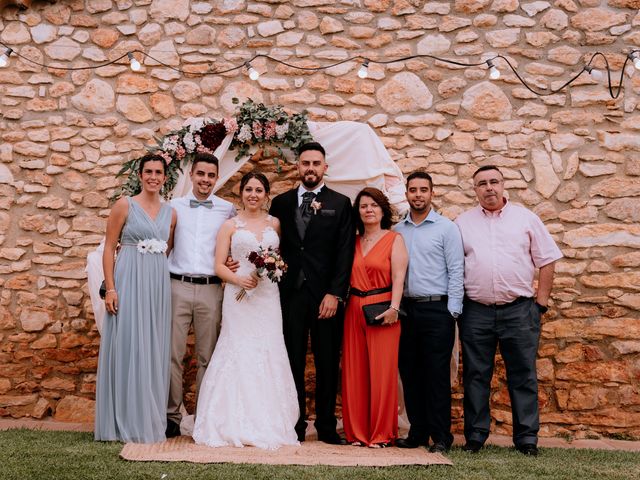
(365, 61)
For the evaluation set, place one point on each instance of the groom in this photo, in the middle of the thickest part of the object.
(317, 244)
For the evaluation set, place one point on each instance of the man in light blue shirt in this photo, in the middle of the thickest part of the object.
(433, 296)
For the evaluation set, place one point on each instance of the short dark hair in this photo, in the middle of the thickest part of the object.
(484, 168)
(205, 158)
(420, 174)
(311, 146)
(152, 157)
(258, 176)
(382, 201)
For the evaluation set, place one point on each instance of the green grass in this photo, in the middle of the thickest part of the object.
(28, 454)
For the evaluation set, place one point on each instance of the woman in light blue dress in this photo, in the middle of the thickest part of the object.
(133, 365)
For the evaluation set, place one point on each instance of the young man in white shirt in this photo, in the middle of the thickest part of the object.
(196, 293)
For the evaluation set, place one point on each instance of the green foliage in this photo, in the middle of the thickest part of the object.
(253, 124)
(260, 125)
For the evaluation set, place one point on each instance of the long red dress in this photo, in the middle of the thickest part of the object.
(370, 353)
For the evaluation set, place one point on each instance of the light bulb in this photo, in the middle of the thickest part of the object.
(596, 74)
(636, 61)
(135, 64)
(364, 70)
(494, 73)
(4, 58)
(253, 73)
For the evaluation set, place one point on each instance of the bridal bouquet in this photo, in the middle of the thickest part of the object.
(269, 264)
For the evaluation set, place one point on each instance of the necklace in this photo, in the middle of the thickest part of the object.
(373, 237)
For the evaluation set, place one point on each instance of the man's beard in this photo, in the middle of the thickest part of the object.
(424, 208)
(307, 182)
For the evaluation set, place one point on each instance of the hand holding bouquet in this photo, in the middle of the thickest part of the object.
(269, 264)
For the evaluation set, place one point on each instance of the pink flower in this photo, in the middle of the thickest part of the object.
(168, 158)
(231, 125)
(203, 149)
(257, 129)
(180, 152)
(269, 130)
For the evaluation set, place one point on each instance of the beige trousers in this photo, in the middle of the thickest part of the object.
(202, 305)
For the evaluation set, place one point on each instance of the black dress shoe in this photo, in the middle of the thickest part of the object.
(528, 449)
(408, 442)
(332, 439)
(439, 447)
(472, 446)
(173, 429)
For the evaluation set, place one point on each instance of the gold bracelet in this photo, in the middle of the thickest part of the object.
(394, 308)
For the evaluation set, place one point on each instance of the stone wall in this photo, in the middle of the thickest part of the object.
(572, 157)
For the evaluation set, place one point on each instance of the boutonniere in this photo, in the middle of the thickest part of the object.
(316, 206)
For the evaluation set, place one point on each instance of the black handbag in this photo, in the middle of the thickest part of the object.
(372, 310)
(102, 291)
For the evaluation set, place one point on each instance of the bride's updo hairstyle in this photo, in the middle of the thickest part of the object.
(258, 176)
(152, 157)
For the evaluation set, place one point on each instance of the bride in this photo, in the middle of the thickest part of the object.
(248, 396)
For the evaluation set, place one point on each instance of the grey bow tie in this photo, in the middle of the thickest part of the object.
(197, 203)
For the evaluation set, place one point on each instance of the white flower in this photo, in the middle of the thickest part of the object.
(170, 144)
(195, 124)
(152, 245)
(244, 135)
(189, 142)
(281, 130)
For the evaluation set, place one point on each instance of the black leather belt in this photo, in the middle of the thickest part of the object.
(208, 280)
(427, 298)
(499, 306)
(368, 293)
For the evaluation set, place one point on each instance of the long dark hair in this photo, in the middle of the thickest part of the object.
(382, 201)
(258, 176)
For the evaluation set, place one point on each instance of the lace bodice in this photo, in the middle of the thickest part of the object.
(244, 241)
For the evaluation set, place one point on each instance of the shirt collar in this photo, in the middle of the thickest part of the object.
(431, 217)
(496, 213)
(302, 190)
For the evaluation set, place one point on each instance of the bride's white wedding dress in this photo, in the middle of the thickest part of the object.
(248, 396)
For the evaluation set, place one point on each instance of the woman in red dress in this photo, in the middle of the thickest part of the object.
(370, 352)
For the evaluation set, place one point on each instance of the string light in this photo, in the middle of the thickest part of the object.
(364, 70)
(4, 58)
(135, 64)
(635, 58)
(253, 73)
(594, 73)
(494, 74)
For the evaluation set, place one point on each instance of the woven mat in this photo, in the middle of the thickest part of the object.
(183, 449)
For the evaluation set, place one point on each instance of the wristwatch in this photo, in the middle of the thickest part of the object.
(542, 308)
(340, 300)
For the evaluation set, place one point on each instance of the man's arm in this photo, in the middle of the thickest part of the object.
(545, 282)
(342, 266)
(344, 257)
(454, 259)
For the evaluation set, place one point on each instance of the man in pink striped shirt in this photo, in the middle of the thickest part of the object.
(504, 244)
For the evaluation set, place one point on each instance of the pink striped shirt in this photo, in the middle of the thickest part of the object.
(502, 250)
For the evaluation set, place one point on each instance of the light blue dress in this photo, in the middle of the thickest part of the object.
(133, 366)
